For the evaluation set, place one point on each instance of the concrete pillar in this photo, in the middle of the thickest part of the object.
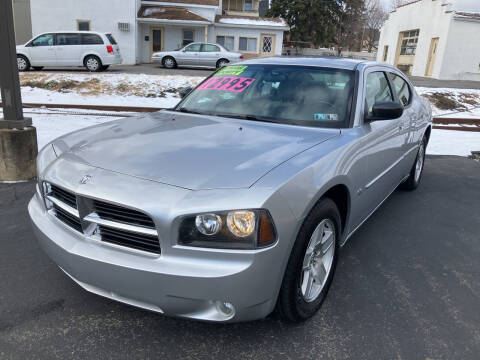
(18, 139)
(18, 154)
(206, 33)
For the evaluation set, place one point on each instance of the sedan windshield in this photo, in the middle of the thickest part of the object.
(309, 96)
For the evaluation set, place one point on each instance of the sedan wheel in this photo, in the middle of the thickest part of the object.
(312, 263)
(318, 260)
(169, 63)
(416, 172)
(222, 63)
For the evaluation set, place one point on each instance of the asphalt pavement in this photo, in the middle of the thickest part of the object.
(407, 287)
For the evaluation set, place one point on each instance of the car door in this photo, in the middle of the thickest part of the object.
(385, 141)
(191, 54)
(409, 121)
(68, 49)
(42, 50)
(209, 55)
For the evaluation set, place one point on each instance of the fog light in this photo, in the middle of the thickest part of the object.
(208, 224)
(225, 308)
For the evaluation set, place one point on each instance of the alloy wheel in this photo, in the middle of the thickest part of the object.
(92, 64)
(419, 162)
(318, 260)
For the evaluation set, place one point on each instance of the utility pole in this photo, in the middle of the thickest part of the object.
(18, 138)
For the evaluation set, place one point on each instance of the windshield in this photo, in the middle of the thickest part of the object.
(310, 96)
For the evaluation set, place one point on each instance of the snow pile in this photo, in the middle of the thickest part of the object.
(153, 11)
(244, 21)
(450, 102)
(104, 89)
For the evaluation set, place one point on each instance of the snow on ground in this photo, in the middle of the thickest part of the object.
(104, 88)
(451, 142)
(448, 102)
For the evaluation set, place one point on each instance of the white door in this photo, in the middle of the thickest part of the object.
(190, 55)
(68, 49)
(42, 51)
(209, 55)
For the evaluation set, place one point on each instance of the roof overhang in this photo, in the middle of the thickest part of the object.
(253, 26)
(172, 22)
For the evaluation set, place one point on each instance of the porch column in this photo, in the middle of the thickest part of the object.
(206, 33)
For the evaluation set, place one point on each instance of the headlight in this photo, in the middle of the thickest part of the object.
(236, 229)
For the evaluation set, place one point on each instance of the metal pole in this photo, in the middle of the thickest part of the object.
(9, 82)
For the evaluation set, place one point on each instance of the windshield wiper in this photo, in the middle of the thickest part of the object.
(245, 117)
(184, 110)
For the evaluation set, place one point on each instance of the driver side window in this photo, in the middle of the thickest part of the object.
(193, 47)
(376, 89)
(43, 40)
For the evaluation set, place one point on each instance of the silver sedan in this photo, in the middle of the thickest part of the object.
(197, 54)
(236, 202)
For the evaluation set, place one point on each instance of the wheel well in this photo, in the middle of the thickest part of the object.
(222, 59)
(168, 56)
(427, 133)
(340, 195)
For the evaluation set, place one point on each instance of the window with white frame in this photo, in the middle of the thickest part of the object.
(227, 42)
(248, 5)
(187, 37)
(247, 44)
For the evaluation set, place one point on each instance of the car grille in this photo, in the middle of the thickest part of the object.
(130, 239)
(115, 224)
(67, 218)
(64, 196)
(117, 213)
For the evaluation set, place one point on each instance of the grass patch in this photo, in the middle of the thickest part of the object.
(444, 101)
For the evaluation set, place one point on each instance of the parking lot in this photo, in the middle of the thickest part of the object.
(407, 287)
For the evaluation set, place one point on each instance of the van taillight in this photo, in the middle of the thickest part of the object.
(110, 49)
(241, 56)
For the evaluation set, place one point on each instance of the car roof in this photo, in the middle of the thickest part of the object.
(332, 62)
(73, 32)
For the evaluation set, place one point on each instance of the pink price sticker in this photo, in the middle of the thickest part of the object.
(227, 83)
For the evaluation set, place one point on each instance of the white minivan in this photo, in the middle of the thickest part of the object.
(96, 51)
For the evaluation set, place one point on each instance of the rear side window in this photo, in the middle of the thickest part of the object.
(111, 39)
(91, 39)
(402, 89)
(210, 48)
(68, 39)
(377, 89)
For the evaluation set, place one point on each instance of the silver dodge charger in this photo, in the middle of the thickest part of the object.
(236, 202)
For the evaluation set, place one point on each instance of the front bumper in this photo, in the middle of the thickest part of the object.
(185, 285)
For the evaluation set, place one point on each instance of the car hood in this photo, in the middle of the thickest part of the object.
(190, 151)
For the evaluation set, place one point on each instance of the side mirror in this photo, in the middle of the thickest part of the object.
(185, 91)
(385, 110)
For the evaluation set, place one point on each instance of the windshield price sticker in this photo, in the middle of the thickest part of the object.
(227, 83)
(231, 70)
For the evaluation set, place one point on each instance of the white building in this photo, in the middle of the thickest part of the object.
(141, 27)
(433, 38)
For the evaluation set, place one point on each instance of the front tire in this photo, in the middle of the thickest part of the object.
(312, 264)
(416, 172)
(169, 62)
(93, 63)
(22, 63)
(105, 67)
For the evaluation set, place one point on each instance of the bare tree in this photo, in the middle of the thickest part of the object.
(375, 16)
(396, 3)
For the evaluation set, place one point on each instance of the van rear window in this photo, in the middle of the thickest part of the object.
(111, 39)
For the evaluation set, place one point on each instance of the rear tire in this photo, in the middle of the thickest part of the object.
(416, 172)
(22, 63)
(311, 265)
(37, 68)
(222, 63)
(92, 63)
(169, 62)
